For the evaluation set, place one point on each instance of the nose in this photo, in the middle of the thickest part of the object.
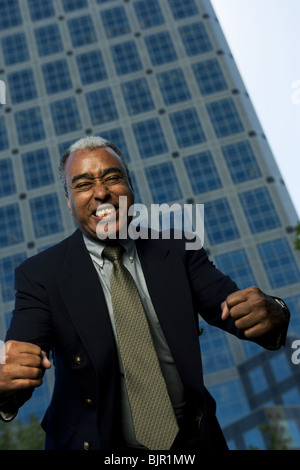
(100, 190)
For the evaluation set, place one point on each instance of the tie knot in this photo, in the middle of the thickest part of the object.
(113, 252)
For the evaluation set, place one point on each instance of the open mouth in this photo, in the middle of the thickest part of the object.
(104, 210)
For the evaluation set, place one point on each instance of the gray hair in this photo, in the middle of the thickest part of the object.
(89, 143)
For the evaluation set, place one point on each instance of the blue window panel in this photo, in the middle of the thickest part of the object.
(150, 138)
(46, 215)
(115, 22)
(236, 265)
(137, 96)
(219, 222)
(279, 262)
(82, 31)
(231, 398)
(4, 144)
(195, 39)
(48, 40)
(183, 8)
(71, 5)
(65, 116)
(56, 76)
(11, 230)
(281, 367)
(37, 168)
(163, 183)
(149, 14)
(224, 117)
(7, 267)
(117, 137)
(258, 379)
(137, 196)
(41, 9)
(291, 397)
(293, 304)
(241, 162)
(91, 67)
(10, 14)
(259, 210)
(160, 48)
(187, 127)
(173, 86)
(21, 85)
(254, 439)
(202, 172)
(29, 125)
(209, 77)
(7, 180)
(215, 349)
(126, 57)
(15, 49)
(101, 106)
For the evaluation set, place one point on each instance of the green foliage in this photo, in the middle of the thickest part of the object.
(297, 240)
(15, 435)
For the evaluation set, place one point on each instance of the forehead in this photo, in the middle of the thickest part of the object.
(93, 161)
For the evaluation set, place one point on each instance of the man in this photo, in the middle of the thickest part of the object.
(65, 304)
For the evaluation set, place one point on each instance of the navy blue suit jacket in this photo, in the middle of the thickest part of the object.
(60, 306)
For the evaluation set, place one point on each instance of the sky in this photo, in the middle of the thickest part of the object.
(264, 38)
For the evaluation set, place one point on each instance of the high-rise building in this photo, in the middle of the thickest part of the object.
(157, 78)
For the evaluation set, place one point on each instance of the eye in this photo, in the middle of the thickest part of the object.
(113, 179)
(84, 186)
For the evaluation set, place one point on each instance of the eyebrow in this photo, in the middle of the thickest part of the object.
(90, 176)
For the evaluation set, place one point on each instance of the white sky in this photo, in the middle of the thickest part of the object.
(264, 38)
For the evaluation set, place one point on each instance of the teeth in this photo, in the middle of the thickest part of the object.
(104, 212)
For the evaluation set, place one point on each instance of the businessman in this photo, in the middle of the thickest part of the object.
(120, 317)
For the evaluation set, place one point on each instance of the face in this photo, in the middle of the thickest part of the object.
(96, 180)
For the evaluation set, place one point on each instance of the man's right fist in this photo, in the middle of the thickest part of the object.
(22, 366)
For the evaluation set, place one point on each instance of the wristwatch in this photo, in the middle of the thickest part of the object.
(283, 306)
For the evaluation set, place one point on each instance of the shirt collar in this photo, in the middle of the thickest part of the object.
(95, 248)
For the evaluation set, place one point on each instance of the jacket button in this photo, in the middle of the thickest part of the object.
(86, 445)
(89, 401)
(78, 360)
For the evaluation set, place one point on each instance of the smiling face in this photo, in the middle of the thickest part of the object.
(95, 181)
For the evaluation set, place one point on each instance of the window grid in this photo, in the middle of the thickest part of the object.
(126, 57)
(117, 137)
(10, 14)
(202, 172)
(40, 9)
(173, 86)
(183, 8)
(163, 183)
(279, 262)
(115, 22)
(37, 168)
(149, 14)
(4, 144)
(236, 264)
(7, 267)
(48, 40)
(101, 106)
(137, 96)
(259, 210)
(160, 48)
(15, 49)
(65, 116)
(29, 124)
(11, 230)
(241, 162)
(209, 77)
(219, 222)
(22, 86)
(46, 215)
(57, 76)
(150, 138)
(7, 180)
(91, 67)
(187, 127)
(195, 39)
(82, 31)
(72, 5)
(224, 117)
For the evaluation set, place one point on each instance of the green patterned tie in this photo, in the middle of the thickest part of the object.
(152, 412)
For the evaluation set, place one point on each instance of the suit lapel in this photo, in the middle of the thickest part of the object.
(85, 302)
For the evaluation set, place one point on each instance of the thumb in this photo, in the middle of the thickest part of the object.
(225, 310)
(45, 361)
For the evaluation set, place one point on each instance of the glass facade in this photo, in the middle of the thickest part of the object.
(158, 79)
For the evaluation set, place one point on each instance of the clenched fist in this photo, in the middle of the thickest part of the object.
(22, 367)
